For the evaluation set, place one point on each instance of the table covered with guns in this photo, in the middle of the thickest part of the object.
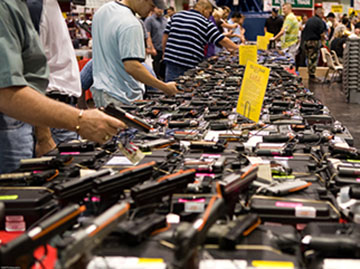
(193, 184)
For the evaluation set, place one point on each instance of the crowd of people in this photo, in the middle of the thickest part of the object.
(40, 81)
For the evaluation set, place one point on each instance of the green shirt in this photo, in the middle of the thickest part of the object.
(291, 28)
(23, 62)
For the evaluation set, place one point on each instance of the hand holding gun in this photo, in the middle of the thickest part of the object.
(129, 119)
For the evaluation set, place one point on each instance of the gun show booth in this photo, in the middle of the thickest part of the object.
(245, 168)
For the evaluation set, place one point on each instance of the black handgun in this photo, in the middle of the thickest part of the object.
(76, 189)
(19, 252)
(210, 146)
(82, 242)
(182, 124)
(37, 178)
(164, 186)
(124, 179)
(333, 245)
(44, 163)
(157, 143)
(242, 228)
(232, 185)
(135, 231)
(76, 146)
(348, 171)
(129, 119)
(189, 236)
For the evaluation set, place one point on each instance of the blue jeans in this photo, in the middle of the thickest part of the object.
(63, 135)
(173, 71)
(16, 143)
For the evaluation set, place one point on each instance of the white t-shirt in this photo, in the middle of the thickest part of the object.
(64, 74)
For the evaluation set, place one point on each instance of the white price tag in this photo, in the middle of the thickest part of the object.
(194, 207)
(341, 263)
(226, 264)
(305, 212)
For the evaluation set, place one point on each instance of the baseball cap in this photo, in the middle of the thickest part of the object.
(159, 4)
(275, 10)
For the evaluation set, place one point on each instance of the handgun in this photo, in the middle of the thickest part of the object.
(182, 124)
(36, 178)
(19, 252)
(334, 245)
(124, 179)
(76, 146)
(188, 236)
(242, 228)
(76, 189)
(284, 188)
(210, 146)
(348, 171)
(158, 143)
(135, 231)
(129, 119)
(163, 186)
(44, 163)
(82, 242)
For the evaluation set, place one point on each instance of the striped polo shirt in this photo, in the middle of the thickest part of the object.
(188, 32)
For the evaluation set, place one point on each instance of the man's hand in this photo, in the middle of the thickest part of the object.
(170, 89)
(99, 127)
(41, 148)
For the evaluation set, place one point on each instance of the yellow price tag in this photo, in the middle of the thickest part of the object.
(272, 264)
(252, 91)
(64, 15)
(150, 260)
(247, 53)
(337, 8)
(9, 197)
(269, 35)
(262, 42)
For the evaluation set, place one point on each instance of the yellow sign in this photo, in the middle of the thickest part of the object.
(273, 264)
(262, 42)
(64, 15)
(351, 10)
(269, 35)
(247, 53)
(337, 8)
(252, 91)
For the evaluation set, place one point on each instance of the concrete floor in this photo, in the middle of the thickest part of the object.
(330, 94)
